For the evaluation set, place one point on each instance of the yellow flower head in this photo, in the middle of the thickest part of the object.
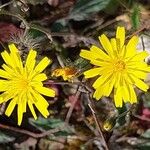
(22, 84)
(120, 67)
(67, 73)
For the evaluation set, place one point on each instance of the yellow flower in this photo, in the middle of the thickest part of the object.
(67, 73)
(120, 67)
(22, 84)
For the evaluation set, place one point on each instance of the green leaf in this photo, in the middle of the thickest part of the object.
(4, 138)
(59, 25)
(146, 134)
(82, 64)
(146, 99)
(144, 146)
(135, 16)
(51, 123)
(84, 8)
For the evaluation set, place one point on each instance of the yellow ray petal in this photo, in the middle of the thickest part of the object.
(108, 87)
(12, 48)
(113, 44)
(114, 47)
(131, 46)
(140, 56)
(40, 77)
(8, 60)
(118, 97)
(100, 63)
(89, 55)
(39, 97)
(45, 91)
(137, 73)
(118, 77)
(140, 84)
(10, 107)
(32, 109)
(101, 80)
(98, 93)
(106, 44)
(141, 66)
(42, 65)
(96, 50)
(42, 110)
(24, 102)
(30, 61)
(7, 95)
(133, 97)
(93, 72)
(4, 85)
(10, 70)
(15, 56)
(4, 74)
(20, 113)
(125, 90)
(120, 34)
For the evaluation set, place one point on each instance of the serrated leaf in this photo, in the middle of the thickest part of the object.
(84, 8)
(4, 138)
(146, 134)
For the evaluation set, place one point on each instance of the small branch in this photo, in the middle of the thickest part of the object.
(104, 25)
(63, 83)
(136, 32)
(81, 83)
(97, 122)
(77, 95)
(27, 25)
(32, 134)
(141, 118)
(6, 4)
(142, 40)
(60, 60)
(2, 108)
(4, 12)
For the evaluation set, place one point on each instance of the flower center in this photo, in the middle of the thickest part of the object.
(119, 66)
(22, 84)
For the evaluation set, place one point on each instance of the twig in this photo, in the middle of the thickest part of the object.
(2, 108)
(6, 4)
(124, 5)
(27, 25)
(141, 118)
(63, 83)
(136, 32)
(142, 40)
(97, 122)
(77, 95)
(70, 83)
(32, 134)
(104, 25)
(4, 12)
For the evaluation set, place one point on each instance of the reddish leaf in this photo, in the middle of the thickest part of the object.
(146, 113)
(7, 30)
(77, 106)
